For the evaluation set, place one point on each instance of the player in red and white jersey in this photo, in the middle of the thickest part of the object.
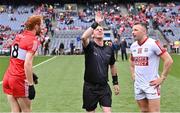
(18, 81)
(145, 57)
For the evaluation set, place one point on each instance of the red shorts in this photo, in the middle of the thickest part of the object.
(15, 86)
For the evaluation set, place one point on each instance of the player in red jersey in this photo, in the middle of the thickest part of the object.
(18, 80)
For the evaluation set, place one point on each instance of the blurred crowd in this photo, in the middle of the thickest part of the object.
(119, 18)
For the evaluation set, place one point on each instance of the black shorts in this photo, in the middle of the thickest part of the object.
(94, 93)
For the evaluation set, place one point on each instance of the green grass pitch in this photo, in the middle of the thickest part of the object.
(61, 80)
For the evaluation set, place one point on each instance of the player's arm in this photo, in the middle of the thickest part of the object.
(28, 67)
(167, 62)
(114, 78)
(29, 75)
(132, 67)
(86, 35)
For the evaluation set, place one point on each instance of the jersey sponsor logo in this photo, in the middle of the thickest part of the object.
(145, 49)
(139, 50)
(141, 61)
(134, 50)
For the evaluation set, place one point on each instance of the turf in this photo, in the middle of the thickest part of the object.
(175, 67)
(61, 80)
(4, 62)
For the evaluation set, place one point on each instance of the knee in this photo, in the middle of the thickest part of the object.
(16, 110)
(154, 110)
(106, 110)
(26, 110)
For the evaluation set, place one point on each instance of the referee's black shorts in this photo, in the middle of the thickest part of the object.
(94, 93)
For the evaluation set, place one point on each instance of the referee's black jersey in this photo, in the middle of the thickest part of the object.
(97, 61)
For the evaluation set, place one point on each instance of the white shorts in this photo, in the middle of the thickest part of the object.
(149, 92)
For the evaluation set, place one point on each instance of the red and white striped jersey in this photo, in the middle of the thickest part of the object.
(23, 43)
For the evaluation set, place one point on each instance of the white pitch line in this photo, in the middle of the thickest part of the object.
(44, 62)
(39, 64)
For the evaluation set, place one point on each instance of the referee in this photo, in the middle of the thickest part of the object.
(98, 57)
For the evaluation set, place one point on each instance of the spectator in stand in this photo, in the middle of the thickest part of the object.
(123, 46)
(61, 48)
(116, 48)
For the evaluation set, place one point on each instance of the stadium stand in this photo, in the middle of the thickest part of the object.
(65, 23)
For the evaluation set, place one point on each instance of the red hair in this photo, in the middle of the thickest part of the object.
(33, 21)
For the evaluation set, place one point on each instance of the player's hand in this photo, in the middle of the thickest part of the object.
(99, 17)
(116, 89)
(32, 92)
(156, 82)
(35, 78)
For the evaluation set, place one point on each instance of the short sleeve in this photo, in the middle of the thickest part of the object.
(112, 59)
(32, 46)
(158, 49)
(89, 47)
